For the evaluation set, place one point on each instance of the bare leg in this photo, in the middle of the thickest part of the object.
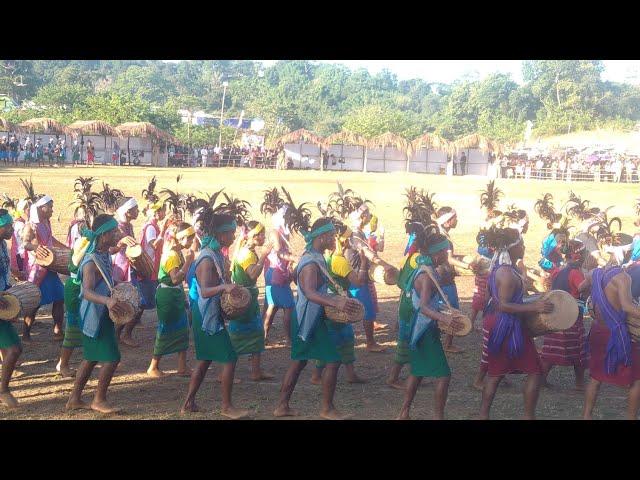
(590, 397)
(99, 403)
(183, 368)
(196, 380)
(287, 324)
(9, 360)
(449, 346)
(352, 376)
(413, 383)
(440, 397)
(57, 312)
(228, 410)
(127, 339)
(256, 372)
(531, 391)
(29, 320)
(154, 369)
(634, 401)
(329, 379)
(488, 393)
(82, 377)
(63, 364)
(269, 314)
(579, 371)
(546, 368)
(478, 382)
(286, 390)
(394, 377)
(372, 345)
(316, 375)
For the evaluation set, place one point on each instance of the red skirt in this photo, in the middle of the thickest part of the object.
(624, 376)
(567, 348)
(500, 364)
(479, 300)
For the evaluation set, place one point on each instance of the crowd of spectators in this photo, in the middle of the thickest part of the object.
(227, 156)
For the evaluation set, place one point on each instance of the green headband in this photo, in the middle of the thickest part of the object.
(6, 219)
(227, 227)
(437, 247)
(93, 235)
(310, 236)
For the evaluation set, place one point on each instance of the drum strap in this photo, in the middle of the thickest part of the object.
(104, 277)
(435, 282)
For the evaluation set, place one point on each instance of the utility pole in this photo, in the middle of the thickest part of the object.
(224, 92)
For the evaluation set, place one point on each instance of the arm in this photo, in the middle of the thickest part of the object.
(359, 277)
(254, 270)
(206, 275)
(308, 282)
(179, 274)
(424, 286)
(89, 272)
(454, 262)
(506, 287)
(277, 246)
(585, 286)
(29, 239)
(623, 284)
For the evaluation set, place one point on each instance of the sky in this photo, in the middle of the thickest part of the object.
(447, 71)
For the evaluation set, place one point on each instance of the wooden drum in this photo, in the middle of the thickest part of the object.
(564, 315)
(23, 298)
(378, 274)
(237, 303)
(339, 316)
(126, 293)
(459, 316)
(57, 260)
(140, 261)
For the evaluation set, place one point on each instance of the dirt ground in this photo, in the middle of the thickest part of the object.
(42, 393)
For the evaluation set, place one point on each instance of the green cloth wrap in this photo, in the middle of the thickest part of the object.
(172, 335)
(93, 236)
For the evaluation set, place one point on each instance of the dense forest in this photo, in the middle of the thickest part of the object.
(557, 96)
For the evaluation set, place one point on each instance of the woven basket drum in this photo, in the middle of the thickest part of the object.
(237, 303)
(340, 316)
(128, 294)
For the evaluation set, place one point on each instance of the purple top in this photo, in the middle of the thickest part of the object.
(619, 345)
(508, 325)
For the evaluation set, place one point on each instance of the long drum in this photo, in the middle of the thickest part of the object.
(140, 261)
(128, 294)
(340, 316)
(23, 298)
(57, 260)
(378, 274)
(481, 262)
(564, 315)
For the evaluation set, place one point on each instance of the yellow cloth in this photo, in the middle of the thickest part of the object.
(412, 261)
(79, 249)
(340, 266)
(170, 260)
(246, 258)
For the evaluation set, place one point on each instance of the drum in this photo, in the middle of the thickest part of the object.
(235, 304)
(461, 317)
(633, 324)
(339, 316)
(128, 294)
(378, 274)
(140, 261)
(482, 263)
(564, 315)
(57, 260)
(23, 298)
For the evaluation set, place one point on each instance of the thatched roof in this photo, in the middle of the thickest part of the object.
(300, 136)
(391, 140)
(7, 126)
(480, 142)
(47, 126)
(345, 138)
(144, 130)
(93, 127)
(433, 141)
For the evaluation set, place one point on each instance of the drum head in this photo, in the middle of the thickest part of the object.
(565, 310)
(12, 310)
(134, 252)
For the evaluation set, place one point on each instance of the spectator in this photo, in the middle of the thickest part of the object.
(463, 164)
(91, 153)
(203, 155)
(289, 163)
(14, 149)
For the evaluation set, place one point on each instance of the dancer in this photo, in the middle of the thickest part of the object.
(18, 253)
(509, 347)
(426, 355)
(311, 339)
(554, 244)
(10, 345)
(173, 330)
(99, 342)
(247, 331)
(568, 348)
(211, 338)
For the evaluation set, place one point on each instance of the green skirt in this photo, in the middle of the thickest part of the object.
(8, 335)
(429, 360)
(103, 348)
(318, 347)
(173, 328)
(72, 330)
(402, 345)
(215, 348)
(247, 333)
(346, 352)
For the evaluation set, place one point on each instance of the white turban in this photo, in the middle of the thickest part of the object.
(445, 217)
(128, 205)
(33, 212)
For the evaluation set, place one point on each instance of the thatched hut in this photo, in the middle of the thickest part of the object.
(7, 127)
(36, 127)
(308, 143)
(403, 151)
(352, 140)
(146, 137)
(482, 145)
(101, 135)
(436, 149)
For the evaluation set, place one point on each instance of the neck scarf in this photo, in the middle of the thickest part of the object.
(94, 235)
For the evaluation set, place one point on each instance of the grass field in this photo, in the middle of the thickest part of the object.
(43, 394)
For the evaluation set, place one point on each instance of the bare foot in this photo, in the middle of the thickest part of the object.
(587, 416)
(335, 415)
(65, 372)
(453, 349)
(356, 379)
(316, 380)
(130, 342)
(190, 407)
(104, 407)
(579, 387)
(404, 415)
(262, 376)
(26, 338)
(235, 380)
(285, 412)
(397, 384)
(478, 385)
(8, 400)
(58, 337)
(155, 373)
(77, 405)
(234, 413)
(375, 348)
(184, 373)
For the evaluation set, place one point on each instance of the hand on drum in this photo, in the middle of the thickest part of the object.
(452, 323)
(116, 307)
(230, 287)
(348, 305)
(543, 306)
(128, 241)
(42, 252)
